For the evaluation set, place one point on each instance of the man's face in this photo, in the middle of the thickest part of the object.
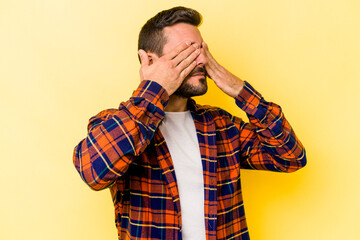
(195, 83)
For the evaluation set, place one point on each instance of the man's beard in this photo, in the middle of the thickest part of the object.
(187, 90)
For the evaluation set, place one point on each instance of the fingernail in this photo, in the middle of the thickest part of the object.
(195, 45)
(188, 43)
(197, 51)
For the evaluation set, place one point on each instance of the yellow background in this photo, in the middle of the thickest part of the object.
(63, 61)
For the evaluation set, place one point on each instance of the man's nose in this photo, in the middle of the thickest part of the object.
(201, 59)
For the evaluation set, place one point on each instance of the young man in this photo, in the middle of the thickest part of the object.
(173, 166)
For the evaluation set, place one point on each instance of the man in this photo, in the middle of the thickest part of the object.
(173, 166)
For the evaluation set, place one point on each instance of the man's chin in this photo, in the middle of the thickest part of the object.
(189, 89)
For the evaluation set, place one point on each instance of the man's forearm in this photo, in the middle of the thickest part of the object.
(116, 136)
(268, 142)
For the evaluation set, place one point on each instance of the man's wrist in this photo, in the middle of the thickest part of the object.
(248, 99)
(240, 87)
(153, 92)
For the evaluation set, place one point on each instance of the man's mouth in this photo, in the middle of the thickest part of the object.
(199, 72)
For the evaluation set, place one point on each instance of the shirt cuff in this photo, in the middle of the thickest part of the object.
(152, 92)
(251, 101)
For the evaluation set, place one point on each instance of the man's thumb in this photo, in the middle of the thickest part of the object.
(144, 60)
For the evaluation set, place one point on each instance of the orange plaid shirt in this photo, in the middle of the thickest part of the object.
(125, 151)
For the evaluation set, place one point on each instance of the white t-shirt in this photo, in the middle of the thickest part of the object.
(179, 131)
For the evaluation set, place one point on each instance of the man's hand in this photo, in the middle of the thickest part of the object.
(170, 69)
(225, 80)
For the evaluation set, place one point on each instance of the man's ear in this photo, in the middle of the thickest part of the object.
(152, 57)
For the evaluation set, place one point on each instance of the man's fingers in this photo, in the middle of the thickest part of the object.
(185, 54)
(188, 64)
(178, 49)
(210, 65)
(187, 70)
(205, 46)
(144, 59)
(211, 62)
(189, 59)
(206, 50)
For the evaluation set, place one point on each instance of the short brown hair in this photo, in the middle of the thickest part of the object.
(151, 37)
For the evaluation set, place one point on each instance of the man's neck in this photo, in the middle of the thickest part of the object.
(176, 104)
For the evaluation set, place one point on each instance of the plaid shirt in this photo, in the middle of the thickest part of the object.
(125, 151)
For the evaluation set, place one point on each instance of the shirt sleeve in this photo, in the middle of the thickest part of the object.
(117, 136)
(267, 142)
